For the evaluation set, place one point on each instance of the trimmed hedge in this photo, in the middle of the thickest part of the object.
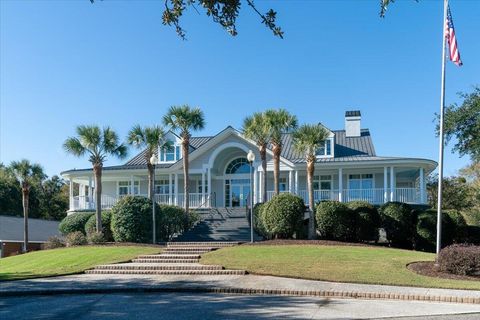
(91, 225)
(74, 222)
(132, 220)
(171, 220)
(283, 215)
(367, 220)
(258, 224)
(399, 222)
(460, 259)
(336, 221)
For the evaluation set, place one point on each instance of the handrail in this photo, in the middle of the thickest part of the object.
(207, 199)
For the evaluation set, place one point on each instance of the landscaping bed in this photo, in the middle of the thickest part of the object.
(286, 242)
(428, 268)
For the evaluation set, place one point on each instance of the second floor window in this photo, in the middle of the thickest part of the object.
(171, 153)
(325, 149)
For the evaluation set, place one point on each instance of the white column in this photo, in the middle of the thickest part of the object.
(170, 189)
(385, 184)
(71, 194)
(81, 190)
(290, 181)
(131, 184)
(422, 185)
(392, 184)
(260, 186)
(296, 182)
(176, 189)
(203, 187)
(90, 188)
(255, 185)
(209, 184)
(340, 184)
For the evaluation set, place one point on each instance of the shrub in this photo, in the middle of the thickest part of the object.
(473, 234)
(460, 259)
(367, 220)
(258, 224)
(398, 220)
(283, 215)
(74, 222)
(335, 221)
(96, 238)
(132, 220)
(171, 220)
(453, 229)
(53, 243)
(76, 238)
(91, 225)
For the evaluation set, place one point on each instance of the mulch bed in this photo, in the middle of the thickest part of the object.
(427, 268)
(283, 242)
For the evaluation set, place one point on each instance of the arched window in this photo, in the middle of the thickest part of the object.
(239, 165)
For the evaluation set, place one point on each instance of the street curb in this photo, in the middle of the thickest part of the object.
(249, 291)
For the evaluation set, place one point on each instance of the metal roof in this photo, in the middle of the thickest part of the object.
(11, 228)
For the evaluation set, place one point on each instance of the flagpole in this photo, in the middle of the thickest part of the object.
(441, 142)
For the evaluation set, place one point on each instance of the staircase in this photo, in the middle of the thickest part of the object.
(179, 258)
(221, 224)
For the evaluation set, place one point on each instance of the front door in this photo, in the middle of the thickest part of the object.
(239, 193)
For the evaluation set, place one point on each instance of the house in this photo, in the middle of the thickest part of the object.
(11, 234)
(347, 169)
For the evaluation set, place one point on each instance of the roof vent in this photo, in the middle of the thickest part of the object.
(352, 123)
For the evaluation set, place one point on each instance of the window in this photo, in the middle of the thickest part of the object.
(170, 152)
(360, 181)
(322, 182)
(283, 184)
(124, 187)
(162, 186)
(239, 165)
(199, 186)
(326, 149)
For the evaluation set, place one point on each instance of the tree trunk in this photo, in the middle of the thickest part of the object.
(25, 198)
(311, 200)
(97, 172)
(263, 157)
(277, 149)
(186, 195)
(151, 183)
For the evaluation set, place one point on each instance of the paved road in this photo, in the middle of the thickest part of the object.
(167, 306)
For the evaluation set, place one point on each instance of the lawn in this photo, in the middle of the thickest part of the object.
(67, 260)
(357, 264)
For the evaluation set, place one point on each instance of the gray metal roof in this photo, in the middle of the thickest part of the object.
(11, 228)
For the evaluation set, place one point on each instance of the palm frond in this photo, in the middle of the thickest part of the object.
(308, 138)
(184, 119)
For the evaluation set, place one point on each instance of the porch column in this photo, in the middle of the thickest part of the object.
(255, 185)
(132, 183)
(385, 184)
(203, 187)
(170, 189)
(260, 186)
(290, 181)
(422, 185)
(296, 182)
(340, 184)
(392, 184)
(209, 184)
(71, 194)
(90, 192)
(176, 189)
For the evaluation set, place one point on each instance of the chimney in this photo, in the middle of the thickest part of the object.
(352, 123)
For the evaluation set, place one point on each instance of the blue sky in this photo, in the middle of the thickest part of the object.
(65, 63)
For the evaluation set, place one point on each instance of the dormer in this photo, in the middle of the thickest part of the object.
(170, 149)
(327, 150)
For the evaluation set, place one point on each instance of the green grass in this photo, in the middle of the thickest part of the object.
(333, 263)
(65, 261)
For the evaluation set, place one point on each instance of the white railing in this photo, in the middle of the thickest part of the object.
(374, 196)
(270, 194)
(407, 195)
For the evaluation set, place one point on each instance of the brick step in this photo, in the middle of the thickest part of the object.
(168, 272)
(169, 256)
(213, 244)
(157, 266)
(172, 261)
(189, 248)
(187, 251)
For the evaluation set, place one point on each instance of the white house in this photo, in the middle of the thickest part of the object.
(347, 169)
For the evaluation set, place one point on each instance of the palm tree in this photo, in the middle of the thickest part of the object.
(27, 174)
(280, 121)
(257, 129)
(307, 140)
(148, 138)
(97, 144)
(184, 119)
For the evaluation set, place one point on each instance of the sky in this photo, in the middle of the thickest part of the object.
(67, 63)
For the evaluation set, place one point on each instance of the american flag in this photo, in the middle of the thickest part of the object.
(452, 41)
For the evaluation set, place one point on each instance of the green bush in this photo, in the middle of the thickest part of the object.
(76, 238)
(91, 225)
(473, 234)
(283, 215)
(171, 220)
(96, 238)
(53, 243)
(258, 224)
(74, 222)
(453, 229)
(335, 221)
(367, 220)
(399, 222)
(132, 220)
